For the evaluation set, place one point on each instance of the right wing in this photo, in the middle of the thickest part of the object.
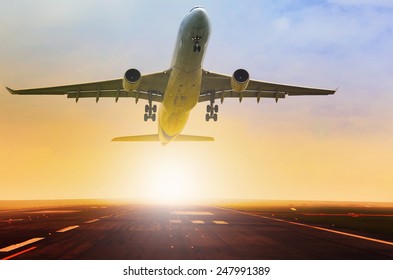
(218, 86)
(151, 85)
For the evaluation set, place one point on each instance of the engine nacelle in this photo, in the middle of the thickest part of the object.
(131, 80)
(240, 79)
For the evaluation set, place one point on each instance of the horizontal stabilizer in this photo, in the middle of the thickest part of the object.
(193, 138)
(155, 137)
(151, 137)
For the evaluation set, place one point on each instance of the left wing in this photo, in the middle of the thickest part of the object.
(151, 85)
(218, 86)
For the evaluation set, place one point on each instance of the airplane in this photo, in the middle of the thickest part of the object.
(179, 88)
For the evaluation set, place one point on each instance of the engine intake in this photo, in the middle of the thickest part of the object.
(131, 80)
(240, 79)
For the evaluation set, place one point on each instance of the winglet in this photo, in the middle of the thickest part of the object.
(10, 90)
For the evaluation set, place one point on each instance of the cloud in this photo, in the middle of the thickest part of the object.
(367, 3)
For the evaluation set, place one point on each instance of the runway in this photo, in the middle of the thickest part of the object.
(150, 232)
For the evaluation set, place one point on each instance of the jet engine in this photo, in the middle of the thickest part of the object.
(131, 80)
(239, 80)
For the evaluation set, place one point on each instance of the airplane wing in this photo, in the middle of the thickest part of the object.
(218, 86)
(153, 84)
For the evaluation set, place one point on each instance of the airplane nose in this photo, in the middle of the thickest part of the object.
(200, 16)
(200, 13)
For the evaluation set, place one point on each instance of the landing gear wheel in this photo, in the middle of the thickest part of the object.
(197, 48)
(212, 109)
(150, 109)
(197, 40)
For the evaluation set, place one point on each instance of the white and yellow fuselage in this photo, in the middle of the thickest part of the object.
(184, 84)
(180, 88)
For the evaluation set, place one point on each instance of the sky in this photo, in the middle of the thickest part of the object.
(302, 148)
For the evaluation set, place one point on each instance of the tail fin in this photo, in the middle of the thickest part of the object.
(154, 137)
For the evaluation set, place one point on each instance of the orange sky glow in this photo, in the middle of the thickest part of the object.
(303, 148)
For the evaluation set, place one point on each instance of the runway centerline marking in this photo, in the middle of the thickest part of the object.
(317, 228)
(92, 221)
(19, 253)
(175, 221)
(197, 222)
(22, 244)
(118, 215)
(220, 222)
(55, 211)
(194, 213)
(67, 228)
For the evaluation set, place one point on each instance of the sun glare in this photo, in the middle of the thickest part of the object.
(172, 180)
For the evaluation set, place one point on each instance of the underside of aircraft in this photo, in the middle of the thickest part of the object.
(179, 88)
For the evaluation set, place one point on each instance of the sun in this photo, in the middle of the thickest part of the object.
(172, 180)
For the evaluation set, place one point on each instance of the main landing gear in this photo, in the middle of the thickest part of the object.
(212, 111)
(150, 110)
(197, 43)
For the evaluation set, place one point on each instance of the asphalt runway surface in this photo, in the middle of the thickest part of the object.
(151, 232)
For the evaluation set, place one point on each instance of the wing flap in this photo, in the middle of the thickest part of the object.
(245, 94)
(62, 90)
(114, 93)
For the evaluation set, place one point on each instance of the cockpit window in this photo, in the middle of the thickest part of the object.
(196, 7)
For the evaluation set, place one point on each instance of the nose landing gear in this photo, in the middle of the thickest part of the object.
(197, 43)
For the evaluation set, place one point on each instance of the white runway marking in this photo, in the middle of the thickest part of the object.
(174, 221)
(92, 221)
(197, 222)
(19, 253)
(19, 245)
(55, 211)
(195, 213)
(67, 228)
(220, 222)
(317, 228)
(118, 215)
(337, 232)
